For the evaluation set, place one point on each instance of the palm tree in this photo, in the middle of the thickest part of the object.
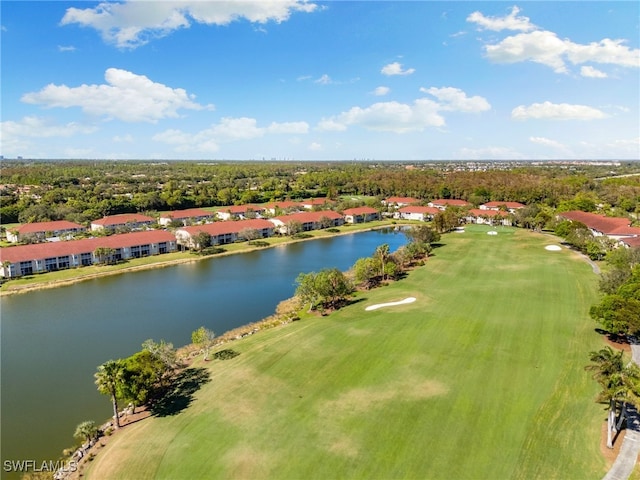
(86, 430)
(619, 382)
(109, 382)
(382, 253)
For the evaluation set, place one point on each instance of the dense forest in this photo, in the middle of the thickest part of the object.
(81, 191)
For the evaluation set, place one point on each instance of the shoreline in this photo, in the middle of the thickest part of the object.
(21, 289)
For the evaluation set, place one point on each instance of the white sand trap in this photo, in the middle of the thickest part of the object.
(391, 304)
(492, 232)
(461, 230)
(553, 248)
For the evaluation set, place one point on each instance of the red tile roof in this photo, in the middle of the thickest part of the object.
(283, 205)
(600, 223)
(506, 204)
(188, 213)
(223, 228)
(123, 219)
(37, 251)
(402, 200)
(308, 217)
(240, 208)
(450, 201)
(477, 212)
(360, 211)
(419, 209)
(48, 227)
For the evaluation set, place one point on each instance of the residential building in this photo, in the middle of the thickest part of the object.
(443, 203)
(417, 212)
(309, 220)
(510, 207)
(23, 260)
(398, 202)
(489, 217)
(285, 206)
(225, 232)
(317, 203)
(131, 221)
(239, 212)
(186, 217)
(361, 215)
(41, 231)
(616, 228)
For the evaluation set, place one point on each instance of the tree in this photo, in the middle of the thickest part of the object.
(109, 382)
(163, 351)
(141, 375)
(202, 240)
(382, 255)
(329, 287)
(365, 271)
(423, 234)
(618, 315)
(620, 382)
(104, 254)
(294, 227)
(203, 337)
(86, 431)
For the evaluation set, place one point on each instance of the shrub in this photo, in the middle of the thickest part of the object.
(258, 243)
(225, 354)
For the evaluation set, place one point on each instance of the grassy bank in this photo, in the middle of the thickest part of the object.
(66, 277)
(481, 377)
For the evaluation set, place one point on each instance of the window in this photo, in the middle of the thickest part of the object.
(51, 264)
(63, 262)
(162, 247)
(86, 259)
(26, 268)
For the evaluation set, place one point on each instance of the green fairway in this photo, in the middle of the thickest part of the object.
(482, 377)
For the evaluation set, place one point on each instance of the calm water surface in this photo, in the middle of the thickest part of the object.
(53, 340)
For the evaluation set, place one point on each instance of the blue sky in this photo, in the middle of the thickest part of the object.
(305, 80)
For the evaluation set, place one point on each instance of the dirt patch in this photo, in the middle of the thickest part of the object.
(610, 454)
(244, 461)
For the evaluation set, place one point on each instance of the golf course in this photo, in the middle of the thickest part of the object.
(470, 367)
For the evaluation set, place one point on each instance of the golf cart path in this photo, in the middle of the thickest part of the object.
(626, 460)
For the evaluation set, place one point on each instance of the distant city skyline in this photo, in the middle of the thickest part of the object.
(306, 80)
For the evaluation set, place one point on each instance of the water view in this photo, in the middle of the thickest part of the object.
(53, 340)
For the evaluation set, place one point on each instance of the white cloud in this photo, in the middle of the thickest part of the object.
(544, 47)
(381, 91)
(547, 142)
(66, 48)
(315, 147)
(126, 96)
(324, 80)
(37, 127)
(331, 125)
(133, 23)
(401, 117)
(508, 22)
(289, 128)
(127, 138)
(226, 131)
(454, 99)
(15, 136)
(591, 72)
(395, 68)
(556, 111)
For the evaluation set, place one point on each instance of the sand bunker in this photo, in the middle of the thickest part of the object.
(492, 232)
(553, 248)
(391, 304)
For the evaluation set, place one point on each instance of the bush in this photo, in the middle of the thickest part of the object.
(302, 235)
(333, 230)
(258, 243)
(225, 354)
(210, 251)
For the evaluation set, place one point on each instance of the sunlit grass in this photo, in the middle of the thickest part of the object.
(481, 378)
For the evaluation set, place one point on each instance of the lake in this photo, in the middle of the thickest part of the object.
(53, 340)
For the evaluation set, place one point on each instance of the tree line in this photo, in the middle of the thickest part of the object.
(83, 191)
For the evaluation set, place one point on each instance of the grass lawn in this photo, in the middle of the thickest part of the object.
(480, 378)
